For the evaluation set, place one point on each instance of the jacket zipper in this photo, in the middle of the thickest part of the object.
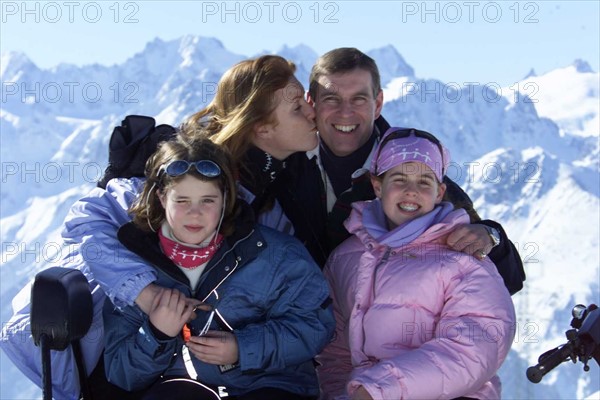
(383, 260)
(205, 273)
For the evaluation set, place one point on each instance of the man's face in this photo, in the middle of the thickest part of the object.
(346, 110)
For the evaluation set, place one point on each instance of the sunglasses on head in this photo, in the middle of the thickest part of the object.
(406, 132)
(206, 168)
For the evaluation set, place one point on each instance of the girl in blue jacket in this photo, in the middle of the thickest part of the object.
(255, 303)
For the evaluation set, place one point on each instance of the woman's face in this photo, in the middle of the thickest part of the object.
(294, 128)
(193, 209)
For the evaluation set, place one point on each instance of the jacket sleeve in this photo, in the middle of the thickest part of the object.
(505, 256)
(17, 342)
(92, 223)
(468, 345)
(299, 322)
(133, 357)
(507, 260)
(360, 190)
(335, 363)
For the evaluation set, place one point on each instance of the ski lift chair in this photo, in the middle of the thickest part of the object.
(61, 314)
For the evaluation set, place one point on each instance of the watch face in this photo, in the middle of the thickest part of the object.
(494, 235)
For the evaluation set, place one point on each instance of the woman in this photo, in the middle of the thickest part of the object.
(259, 114)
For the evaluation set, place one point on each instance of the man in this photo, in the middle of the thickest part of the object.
(346, 92)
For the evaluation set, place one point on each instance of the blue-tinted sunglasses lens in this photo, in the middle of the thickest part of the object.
(177, 168)
(206, 168)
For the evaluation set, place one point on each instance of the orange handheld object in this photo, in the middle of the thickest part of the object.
(186, 333)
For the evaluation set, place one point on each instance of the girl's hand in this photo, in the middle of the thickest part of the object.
(170, 310)
(216, 347)
(197, 305)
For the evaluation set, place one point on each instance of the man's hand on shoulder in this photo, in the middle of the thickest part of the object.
(472, 239)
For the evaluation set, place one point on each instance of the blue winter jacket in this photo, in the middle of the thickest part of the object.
(91, 233)
(266, 289)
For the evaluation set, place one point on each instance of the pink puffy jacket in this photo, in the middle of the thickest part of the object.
(416, 322)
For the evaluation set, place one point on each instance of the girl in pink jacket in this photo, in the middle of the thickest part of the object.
(415, 319)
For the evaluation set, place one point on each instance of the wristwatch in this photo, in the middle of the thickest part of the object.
(493, 234)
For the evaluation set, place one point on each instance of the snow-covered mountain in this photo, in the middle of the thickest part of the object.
(528, 156)
(568, 96)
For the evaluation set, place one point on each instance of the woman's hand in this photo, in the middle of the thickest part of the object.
(216, 347)
(145, 299)
(170, 310)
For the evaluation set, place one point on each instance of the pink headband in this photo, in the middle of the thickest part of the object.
(411, 145)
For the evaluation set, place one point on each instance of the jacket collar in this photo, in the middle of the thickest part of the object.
(146, 245)
(433, 234)
(237, 250)
(380, 127)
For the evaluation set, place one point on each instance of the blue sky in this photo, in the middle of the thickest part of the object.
(454, 41)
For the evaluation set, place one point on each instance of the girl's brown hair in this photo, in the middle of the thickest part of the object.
(189, 145)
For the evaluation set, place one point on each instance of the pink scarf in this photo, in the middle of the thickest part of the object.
(187, 256)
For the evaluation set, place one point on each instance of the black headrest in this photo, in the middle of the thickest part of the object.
(61, 306)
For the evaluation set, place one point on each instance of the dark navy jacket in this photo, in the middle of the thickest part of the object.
(264, 285)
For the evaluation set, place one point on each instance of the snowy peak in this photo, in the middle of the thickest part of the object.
(390, 63)
(303, 56)
(162, 58)
(582, 66)
(507, 181)
(207, 44)
(530, 74)
(150, 79)
(473, 121)
(205, 53)
(13, 64)
(569, 96)
(158, 58)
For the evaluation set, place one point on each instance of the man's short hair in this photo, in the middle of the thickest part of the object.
(341, 60)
